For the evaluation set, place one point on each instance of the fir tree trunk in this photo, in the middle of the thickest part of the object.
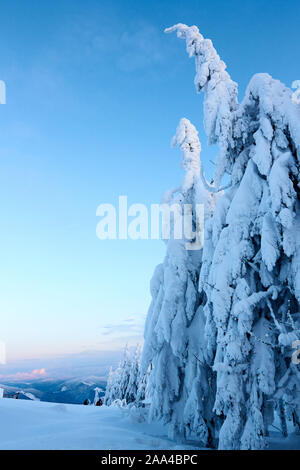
(282, 418)
(296, 422)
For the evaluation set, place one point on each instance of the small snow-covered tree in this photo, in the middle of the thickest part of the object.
(118, 380)
(123, 383)
(134, 374)
(112, 387)
(143, 395)
(124, 368)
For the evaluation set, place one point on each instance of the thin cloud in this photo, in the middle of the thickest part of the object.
(140, 48)
(130, 326)
(83, 364)
(34, 374)
(134, 46)
(130, 319)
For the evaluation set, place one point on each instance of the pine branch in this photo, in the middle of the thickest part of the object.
(213, 287)
(273, 316)
(210, 188)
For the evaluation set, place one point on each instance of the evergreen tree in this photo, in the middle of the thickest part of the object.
(172, 346)
(245, 317)
(134, 375)
(123, 383)
(113, 386)
(143, 386)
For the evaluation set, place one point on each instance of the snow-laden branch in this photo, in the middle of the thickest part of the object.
(250, 302)
(186, 137)
(220, 92)
(209, 187)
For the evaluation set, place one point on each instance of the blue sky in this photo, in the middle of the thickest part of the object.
(95, 91)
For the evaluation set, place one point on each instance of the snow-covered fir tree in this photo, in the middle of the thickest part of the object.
(174, 341)
(133, 377)
(241, 323)
(112, 387)
(126, 383)
(142, 395)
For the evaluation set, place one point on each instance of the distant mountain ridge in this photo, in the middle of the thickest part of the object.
(74, 391)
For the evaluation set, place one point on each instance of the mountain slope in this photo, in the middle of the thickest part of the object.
(74, 390)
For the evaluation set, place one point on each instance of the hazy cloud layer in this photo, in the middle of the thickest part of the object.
(81, 365)
(129, 327)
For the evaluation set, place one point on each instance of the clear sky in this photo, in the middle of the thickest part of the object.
(95, 91)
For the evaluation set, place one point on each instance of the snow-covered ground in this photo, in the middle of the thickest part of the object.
(40, 425)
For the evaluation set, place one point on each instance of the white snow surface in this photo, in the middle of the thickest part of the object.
(38, 425)
(34, 425)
